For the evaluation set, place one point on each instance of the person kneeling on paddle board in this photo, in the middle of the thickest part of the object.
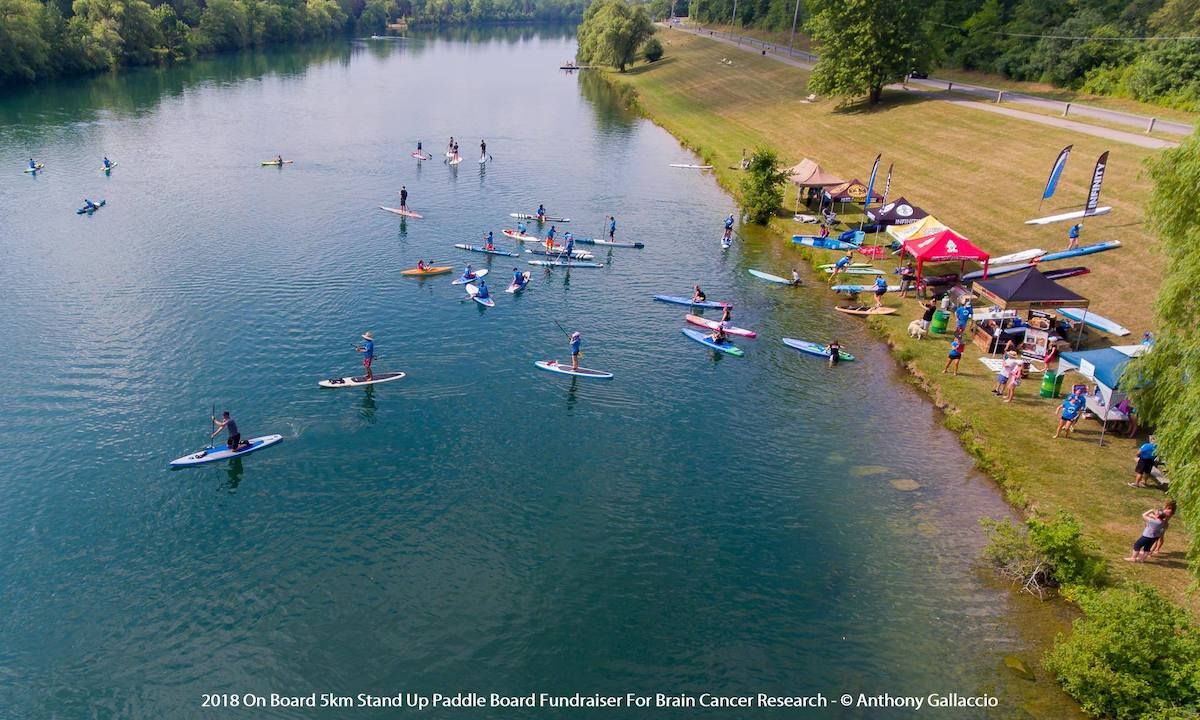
(541, 213)
(468, 273)
(518, 277)
(576, 341)
(698, 295)
(368, 351)
(235, 438)
(835, 352)
(718, 334)
(483, 291)
(726, 316)
(521, 228)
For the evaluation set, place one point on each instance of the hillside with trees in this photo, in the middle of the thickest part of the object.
(46, 39)
(1146, 50)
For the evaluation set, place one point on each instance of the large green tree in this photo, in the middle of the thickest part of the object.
(1170, 373)
(611, 33)
(865, 44)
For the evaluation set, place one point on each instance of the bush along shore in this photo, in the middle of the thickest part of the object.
(1135, 651)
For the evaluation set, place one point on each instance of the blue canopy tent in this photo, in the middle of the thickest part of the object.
(1104, 367)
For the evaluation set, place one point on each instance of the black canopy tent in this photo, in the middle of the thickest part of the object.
(1028, 290)
(898, 212)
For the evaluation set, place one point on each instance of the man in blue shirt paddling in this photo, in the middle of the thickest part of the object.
(576, 341)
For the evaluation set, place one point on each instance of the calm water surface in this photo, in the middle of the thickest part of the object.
(699, 524)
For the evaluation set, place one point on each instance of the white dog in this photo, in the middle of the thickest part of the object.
(915, 329)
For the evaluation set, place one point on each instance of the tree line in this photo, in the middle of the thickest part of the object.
(45, 39)
(1145, 49)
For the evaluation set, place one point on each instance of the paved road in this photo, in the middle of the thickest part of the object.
(805, 60)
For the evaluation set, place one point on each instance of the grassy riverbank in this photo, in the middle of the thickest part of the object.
(981, 174)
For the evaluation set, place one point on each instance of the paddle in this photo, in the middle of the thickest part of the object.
(213, 419)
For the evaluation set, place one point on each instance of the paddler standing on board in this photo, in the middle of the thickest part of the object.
(728, 227)
(488, 241)
(550, 237)
(368, 351)
(576, 341)
(612, 227)
(569, 247)
(482, 150)
(403, 197)
(419, 150)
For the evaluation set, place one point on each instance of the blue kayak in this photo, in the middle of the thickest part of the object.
(726, 347)
(679, 300)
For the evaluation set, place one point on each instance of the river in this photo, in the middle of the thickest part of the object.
(699, 524)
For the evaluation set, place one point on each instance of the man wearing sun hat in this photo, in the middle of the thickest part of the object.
(368, 351)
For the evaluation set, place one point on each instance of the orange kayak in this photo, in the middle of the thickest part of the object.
(433, 270)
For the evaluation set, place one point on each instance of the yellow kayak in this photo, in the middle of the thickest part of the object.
(435, 270)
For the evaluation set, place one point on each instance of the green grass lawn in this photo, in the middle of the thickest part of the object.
(981, 174)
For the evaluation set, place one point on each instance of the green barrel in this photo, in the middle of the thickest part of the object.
(1051, 384)
(938, 325)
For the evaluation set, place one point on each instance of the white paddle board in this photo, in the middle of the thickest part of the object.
(360, 380)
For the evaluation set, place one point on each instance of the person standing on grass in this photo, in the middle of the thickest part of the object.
(1147, 454)
(1071, 407)
(880, 290)
(963, 315)
(1006, 369)
(906, 279)
(1073, 236)
(841, 264)
(1169, 511)
(956, 353)
(1014, 378)
(1156, 524)
(927, 316)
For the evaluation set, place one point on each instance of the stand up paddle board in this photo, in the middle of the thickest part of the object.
(813, 348)
(769, 277)
(223, 452)
(686, 166)
(33, 170)
(478, 249)
(474, 293)
(456, 160)
(89, 211)
(1091, 319)
(855, 271)
(548, 218)
(1082, 250)
(865, 310)
(360, 380)
(861, 288)
(108, 169)
(679, 300)
(726, 347)
(609, 243)
(513, 234)
(276, 163)
(820, 243)
(566, 263)
(712, 325)
(514, 288)
(1017, 257)
(1068, 216)
(555, 366)
(402, 212)
(560, 250)
(420, 156)
(726, 242)
(463, 280)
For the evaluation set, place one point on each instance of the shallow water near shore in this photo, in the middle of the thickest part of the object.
(699, 524)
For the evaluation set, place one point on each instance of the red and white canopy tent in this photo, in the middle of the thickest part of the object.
(943, 246)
